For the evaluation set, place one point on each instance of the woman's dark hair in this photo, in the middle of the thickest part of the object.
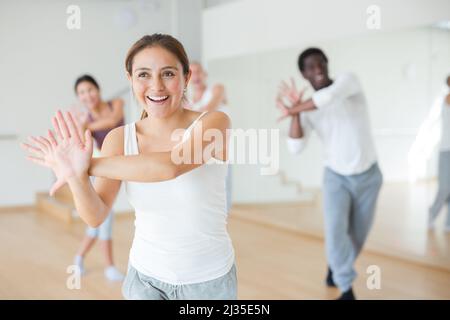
(309, 52)
(157, 40)
(86, 78)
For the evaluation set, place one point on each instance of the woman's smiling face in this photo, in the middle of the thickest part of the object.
(88, 94)
(158, 81)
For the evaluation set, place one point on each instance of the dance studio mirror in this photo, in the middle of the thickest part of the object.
(403, 74)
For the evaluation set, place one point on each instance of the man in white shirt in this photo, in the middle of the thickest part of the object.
(337, 112)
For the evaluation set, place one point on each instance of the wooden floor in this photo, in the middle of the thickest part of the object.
(272, 263)
(400, 227)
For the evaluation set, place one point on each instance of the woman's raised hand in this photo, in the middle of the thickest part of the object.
(68, 154)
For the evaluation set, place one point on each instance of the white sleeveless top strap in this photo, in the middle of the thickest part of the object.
(187, 133)
(130, 140)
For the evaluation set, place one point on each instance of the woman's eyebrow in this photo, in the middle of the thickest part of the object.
(170, 67)
(149, 69)
(143, 68)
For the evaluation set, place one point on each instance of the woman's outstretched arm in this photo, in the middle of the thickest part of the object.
(208, 139)
(68, 155)
(94, 201)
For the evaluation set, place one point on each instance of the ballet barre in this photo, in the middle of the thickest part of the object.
(8, 137)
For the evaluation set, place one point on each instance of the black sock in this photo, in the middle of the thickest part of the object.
(347, 295)
(329, 281)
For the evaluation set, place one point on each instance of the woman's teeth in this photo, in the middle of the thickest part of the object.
(157, 99)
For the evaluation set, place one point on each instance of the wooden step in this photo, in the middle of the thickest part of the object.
(305, 195)
(64, 195)
(52, 206)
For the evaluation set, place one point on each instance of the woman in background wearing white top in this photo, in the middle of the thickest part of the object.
(181, 248)
(338, 113)
(209, 98)
(443, 194)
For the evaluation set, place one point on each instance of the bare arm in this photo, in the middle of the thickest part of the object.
(161, 166)
(69, 156)
(307, 105)
(94, 202)
(151, 167)
(295, 129)
(345, 86)
(299, 133)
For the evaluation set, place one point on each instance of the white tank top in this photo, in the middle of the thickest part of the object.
(181, 224)
(445, 129)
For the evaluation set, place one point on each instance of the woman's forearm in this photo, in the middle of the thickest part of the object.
(163, 166)
(89, 205)
(152, 167)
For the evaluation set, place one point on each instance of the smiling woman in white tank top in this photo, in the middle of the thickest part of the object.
(181, 234)
(181, 247)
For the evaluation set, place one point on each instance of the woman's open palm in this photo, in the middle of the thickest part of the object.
(68, 154)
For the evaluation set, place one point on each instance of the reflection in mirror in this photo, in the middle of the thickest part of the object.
(403, 75)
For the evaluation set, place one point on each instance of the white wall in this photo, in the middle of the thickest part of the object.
(214, 3)
(40, 59)
(398, 103)
(250, 26)
(189, 26)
